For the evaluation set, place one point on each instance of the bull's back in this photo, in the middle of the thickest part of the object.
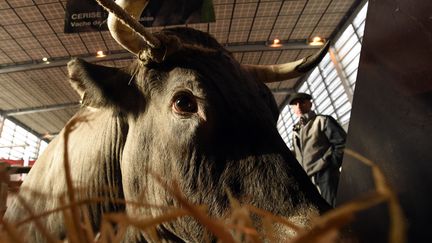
(33, 194)
(89, 162)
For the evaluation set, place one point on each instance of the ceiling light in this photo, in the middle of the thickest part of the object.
(275, 43)
(45, 59)
(48, 136)
(316, 41)
(100, 54)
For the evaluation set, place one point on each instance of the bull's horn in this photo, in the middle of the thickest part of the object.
(275, 73)
(124, 26)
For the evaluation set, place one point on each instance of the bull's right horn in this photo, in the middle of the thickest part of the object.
(124, 26)
(275, 73)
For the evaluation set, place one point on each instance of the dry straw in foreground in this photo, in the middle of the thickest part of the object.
(237, 227)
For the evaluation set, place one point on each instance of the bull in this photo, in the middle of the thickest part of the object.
(185, 109)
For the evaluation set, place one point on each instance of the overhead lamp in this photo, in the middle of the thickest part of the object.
(48, 135)
(100, 54)
(316, 41)
(45, 59)
(275, 43)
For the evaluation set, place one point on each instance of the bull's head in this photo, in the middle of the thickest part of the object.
(202, 118)
(196, 115)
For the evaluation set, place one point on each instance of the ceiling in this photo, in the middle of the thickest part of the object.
(37, 95)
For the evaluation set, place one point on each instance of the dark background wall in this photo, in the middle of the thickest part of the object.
(391, 121)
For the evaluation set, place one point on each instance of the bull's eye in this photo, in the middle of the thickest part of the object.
(184, 103)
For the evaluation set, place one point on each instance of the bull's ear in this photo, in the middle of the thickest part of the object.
(101, 86)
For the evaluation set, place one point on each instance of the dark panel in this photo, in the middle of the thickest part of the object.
(391, 120)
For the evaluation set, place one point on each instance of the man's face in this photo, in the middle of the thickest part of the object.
(300, 106)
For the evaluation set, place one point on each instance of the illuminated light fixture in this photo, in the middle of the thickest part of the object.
(48, 136)
(45, 60)
(275, 43)
(316, 41)
(100, 54)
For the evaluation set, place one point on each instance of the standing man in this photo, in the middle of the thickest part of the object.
(318, 142)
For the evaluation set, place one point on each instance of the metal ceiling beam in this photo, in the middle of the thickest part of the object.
(25, 127)
(59, 62)
(62, 62)
(282, 91)
(9, 114)
(263, 46)
(26, 111)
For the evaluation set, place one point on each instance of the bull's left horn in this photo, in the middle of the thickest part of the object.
(275, 73)
(124, 26)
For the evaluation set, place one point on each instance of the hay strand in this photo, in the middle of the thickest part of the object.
(398, 228)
